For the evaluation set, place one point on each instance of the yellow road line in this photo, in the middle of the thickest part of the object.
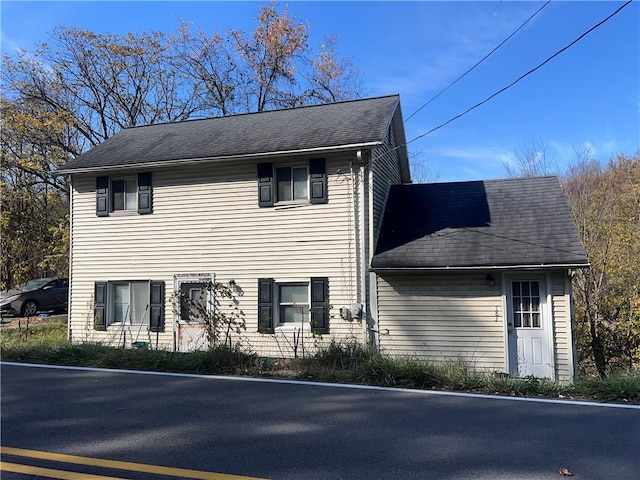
(130, 466)
(50, 473)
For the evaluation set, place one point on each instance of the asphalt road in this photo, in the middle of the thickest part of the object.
(299, 431)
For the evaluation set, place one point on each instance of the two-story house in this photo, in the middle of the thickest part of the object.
(286, 207)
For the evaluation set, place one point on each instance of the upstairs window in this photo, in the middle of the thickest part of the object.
(292, 183)
(305, 182)
(124, 194)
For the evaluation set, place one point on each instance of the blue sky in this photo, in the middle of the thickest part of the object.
(587, 96)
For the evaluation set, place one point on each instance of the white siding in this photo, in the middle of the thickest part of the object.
(206, 219)
(561, 327)
(450, 317)
(442, 318)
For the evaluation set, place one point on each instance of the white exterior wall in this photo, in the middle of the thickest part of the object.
(206, 219)
(450, 317)
(561, 308)
(442, 318)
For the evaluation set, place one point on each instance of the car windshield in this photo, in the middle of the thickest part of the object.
(34, 284)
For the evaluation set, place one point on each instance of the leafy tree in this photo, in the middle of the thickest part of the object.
(605, 201)
(272, 67)
(34, 204)
(81, 88)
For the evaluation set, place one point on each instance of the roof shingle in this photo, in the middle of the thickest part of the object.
(355, 122)
(511, 222)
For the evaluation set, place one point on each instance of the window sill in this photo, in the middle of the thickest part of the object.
(115, 325)
(123, 213)
(294, 204)
(293, 327)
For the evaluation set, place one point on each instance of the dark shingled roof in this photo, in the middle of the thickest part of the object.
(512, 222)
(355, 122)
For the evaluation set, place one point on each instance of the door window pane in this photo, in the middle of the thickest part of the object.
(526, 304)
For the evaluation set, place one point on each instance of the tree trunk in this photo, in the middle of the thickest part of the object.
(598, 349)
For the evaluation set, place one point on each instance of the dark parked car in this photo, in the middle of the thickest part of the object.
(41, 295)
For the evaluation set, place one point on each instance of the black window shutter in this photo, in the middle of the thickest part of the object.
(265, 305)
(317, 180)
(100, 306)
(265, 185)
(102, 196)
(156, 306)
(320, 305)
(145, 193)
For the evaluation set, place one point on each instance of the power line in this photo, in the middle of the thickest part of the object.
(478, 63)
(521, 76)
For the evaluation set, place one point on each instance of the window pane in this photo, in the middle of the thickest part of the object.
(525, 289)
(526, 320)
(283, 176)
(516, 289)
(516, 305)
(525, 305)
(289, 314)
(535, 289)
(536, 320)
(535, 304)
(517, 320)
(198, 304)
(139, 312)
(131, 194)
(120, 304)
(297, 294)
(118, 188)
(300, 183)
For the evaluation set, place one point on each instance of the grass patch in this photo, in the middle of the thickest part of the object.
(337, 362)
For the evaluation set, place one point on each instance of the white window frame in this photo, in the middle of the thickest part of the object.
(291, 166)
(127, 208)
(282, 325)
(111, 310)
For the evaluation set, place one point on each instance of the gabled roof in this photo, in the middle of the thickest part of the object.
(496, 223)
(334, 126)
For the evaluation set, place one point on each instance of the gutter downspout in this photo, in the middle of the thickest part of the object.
(373, 279)
(354, 210)
(362, 294)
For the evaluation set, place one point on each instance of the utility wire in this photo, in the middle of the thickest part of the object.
(521, 76)
(478, 63)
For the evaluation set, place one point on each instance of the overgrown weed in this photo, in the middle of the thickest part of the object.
(347, 362)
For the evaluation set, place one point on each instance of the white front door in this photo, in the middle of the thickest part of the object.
(193, 304)
(529, 328)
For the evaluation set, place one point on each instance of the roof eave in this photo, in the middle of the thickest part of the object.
(254, 156)
(469, 268)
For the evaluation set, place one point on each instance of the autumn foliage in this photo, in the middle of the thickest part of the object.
(605, 201)
(82, 87)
